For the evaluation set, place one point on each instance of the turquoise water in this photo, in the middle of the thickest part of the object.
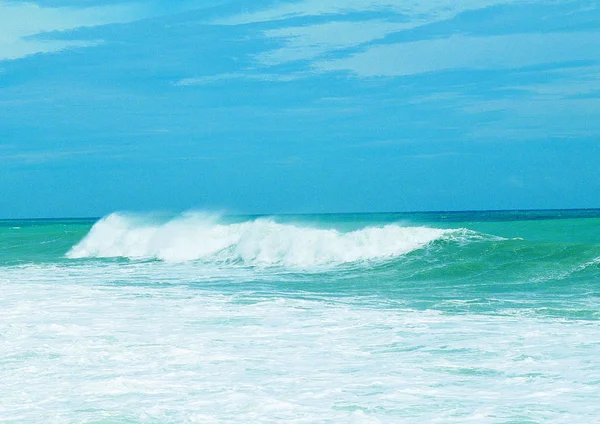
(421, 317)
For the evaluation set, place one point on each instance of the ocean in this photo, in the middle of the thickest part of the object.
(370, 318)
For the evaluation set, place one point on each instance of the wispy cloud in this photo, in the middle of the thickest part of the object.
(463, 52)
(43, 156)
(21, 48)
(536, 118)
(289, 161)
(210, 79)
(22, 25)
(564, 83)
(429, 156)
(308, 42)
(384, 143)
(424, 10)
(352, 40)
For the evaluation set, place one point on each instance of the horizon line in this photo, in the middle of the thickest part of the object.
(452, 211)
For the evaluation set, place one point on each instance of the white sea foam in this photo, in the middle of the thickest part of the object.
(259, 242)
(77, 348)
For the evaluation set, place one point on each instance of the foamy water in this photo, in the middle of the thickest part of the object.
(257, 242)
(77, 351)
(349, 319)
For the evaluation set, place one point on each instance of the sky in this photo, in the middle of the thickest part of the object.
(298, 106)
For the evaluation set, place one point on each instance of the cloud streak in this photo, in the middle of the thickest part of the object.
(211, 79)
(24, 24)
(311, 41)
(465, 52)
(37, 157)
(432, 10)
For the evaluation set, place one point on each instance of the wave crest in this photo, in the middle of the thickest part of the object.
(259, 242)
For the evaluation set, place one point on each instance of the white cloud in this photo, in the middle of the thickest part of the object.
(577, 81)
(536, 118)
(209, 79)
(308, 42)
(36, 157)
(311, 41)
(21, 48)
(431, 9)
(20, 23)
(461, 52)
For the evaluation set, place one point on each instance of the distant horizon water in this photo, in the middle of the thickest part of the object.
(266, 214)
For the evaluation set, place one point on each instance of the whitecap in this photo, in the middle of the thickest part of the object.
(258, 242)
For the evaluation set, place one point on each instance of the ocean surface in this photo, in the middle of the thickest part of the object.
(369, 318)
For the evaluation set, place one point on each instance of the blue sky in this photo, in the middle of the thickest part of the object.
(298, 106)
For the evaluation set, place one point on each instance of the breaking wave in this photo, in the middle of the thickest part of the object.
(258, 242)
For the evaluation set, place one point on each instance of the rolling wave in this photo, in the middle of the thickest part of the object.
(258, 242)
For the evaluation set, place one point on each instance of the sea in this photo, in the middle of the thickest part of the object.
(442, 317)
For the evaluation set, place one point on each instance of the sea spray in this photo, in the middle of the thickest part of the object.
(260, 242)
